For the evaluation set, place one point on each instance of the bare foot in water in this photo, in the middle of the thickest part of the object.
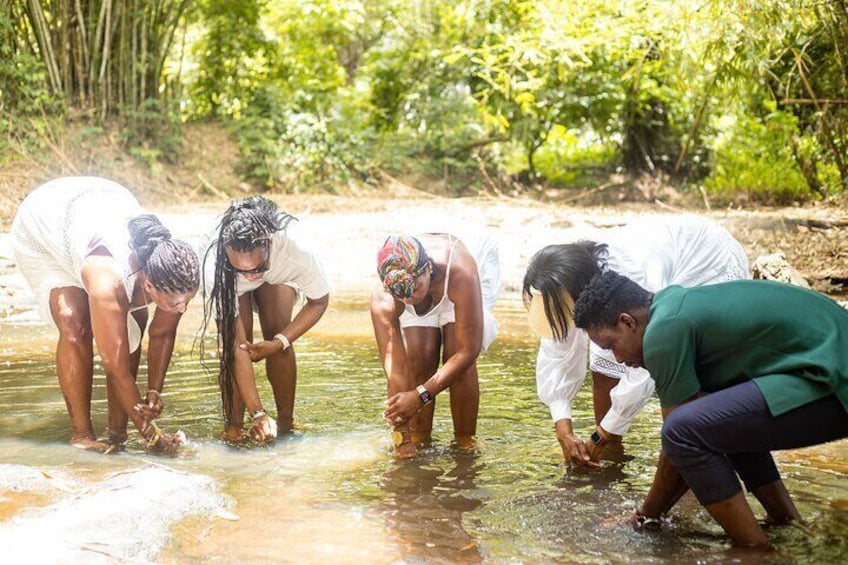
(465, 443)
(90, 443)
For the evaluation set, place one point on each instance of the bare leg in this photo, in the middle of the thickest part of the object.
(276, 303)
(75, 361)
(234, 430)
(735, 516)
(777, 503)
(116, 429)
(464, 396)
(422, 349)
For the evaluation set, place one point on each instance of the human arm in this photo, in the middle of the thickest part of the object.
(669, 353)
(108, 307)
(560, 372)
(385, 318)
(163, 333)
(308, 316)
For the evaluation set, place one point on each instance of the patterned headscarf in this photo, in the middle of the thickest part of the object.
(401, 259)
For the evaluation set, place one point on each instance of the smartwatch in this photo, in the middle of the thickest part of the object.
(424, 395)
(597, 438)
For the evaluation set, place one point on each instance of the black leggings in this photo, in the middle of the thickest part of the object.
(732, 431)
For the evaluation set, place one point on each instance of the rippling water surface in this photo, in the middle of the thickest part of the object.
(331, 492)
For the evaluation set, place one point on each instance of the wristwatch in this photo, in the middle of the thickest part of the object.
(597, 438)
(424, 395)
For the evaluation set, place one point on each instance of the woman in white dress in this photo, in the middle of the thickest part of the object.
(435, 304)
(655, 252)
(254, 262)
(95, 262)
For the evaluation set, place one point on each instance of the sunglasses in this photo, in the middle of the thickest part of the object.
(258, 270)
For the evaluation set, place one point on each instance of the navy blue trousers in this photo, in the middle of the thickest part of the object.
(711, 439)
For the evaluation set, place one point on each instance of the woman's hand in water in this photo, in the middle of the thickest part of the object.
(151, 407)
(264, 428)
(161, 442)
(401, 407)
(576, 452)
(260, 350)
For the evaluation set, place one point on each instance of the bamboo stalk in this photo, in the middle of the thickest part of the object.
(828, 134)
(815, 101)
(42, 33)
(104, 61)
(96, 50)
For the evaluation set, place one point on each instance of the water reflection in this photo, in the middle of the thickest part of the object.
(331, 492)
(425, 503)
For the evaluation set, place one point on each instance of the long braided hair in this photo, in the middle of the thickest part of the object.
(171, 265)
(247, 224)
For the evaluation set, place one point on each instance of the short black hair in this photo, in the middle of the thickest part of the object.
(566, 267)
(608, 295)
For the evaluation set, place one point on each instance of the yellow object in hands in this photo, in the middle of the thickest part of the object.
(397, 438)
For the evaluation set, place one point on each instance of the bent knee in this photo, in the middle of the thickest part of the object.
(73, 324)
(679, 434)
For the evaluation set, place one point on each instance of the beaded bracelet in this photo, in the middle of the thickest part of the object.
(284, 341)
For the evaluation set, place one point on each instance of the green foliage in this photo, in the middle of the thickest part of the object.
(467, 94)
(152, 131)
(754, 161)
(571, 158)
(24, 93)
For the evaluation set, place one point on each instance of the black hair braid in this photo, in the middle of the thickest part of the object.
(170, 264)
(247, 224)
(557, 268)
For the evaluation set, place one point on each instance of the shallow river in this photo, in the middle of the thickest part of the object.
(332, 493)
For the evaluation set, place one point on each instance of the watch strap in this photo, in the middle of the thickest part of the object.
(597, 438)
(424, 395)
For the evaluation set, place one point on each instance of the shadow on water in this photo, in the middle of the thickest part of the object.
(332, 492)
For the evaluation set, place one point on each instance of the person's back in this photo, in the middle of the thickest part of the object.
(69, 217)
(684, 250)
(762, 330)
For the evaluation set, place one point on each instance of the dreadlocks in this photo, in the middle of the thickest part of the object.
(247, 224)
(170, 264)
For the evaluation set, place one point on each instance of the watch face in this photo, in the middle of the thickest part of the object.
(596, 438)
(426, 397)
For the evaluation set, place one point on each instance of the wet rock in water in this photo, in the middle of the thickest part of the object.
(775, 267)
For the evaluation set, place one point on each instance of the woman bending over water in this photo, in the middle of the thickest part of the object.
(435, 304)
(255, 263)
(95, 263)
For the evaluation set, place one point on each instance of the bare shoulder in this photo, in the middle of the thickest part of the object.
(384, 304)
(463, 271)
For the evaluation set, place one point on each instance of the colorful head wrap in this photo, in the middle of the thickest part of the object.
(399, 262)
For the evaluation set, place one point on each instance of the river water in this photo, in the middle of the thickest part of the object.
(332, 492)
